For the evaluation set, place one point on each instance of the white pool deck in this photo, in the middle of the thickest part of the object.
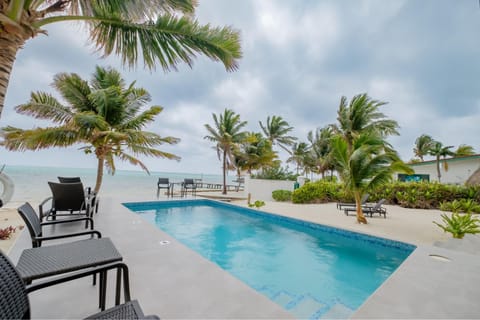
(175, 282)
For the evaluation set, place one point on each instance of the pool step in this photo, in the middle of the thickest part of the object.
(306, 307)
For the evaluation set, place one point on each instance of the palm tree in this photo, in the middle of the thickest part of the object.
(422, 146)
(464, 150)
(439, 150)
(321, 149)
(159, 31)
(361, 116)
(366, 166)
(104, 115)
(299, 154)
(254, 153)
(276, 130)
(227, 134)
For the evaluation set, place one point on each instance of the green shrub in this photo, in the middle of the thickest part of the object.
(282, 195)
(459, 225)
(257, 204)
(318, 192)
(462, 205)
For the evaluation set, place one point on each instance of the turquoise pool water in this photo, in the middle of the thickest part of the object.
(311, 270)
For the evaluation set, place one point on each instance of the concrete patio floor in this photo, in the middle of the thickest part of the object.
(174, 282)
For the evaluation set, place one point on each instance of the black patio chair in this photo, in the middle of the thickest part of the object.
(34, 225)
(189, 184)
(88, 191)
(14, 302)
(66, 197)
(370, 209)
(163, 183)
(343, 205)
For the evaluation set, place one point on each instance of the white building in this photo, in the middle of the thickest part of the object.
(460, 169)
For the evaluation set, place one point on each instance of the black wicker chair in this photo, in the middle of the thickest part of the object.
(14, 302)
(68, 199)
(34, 225)
(189, 184)
(88, 191)
(163, 183)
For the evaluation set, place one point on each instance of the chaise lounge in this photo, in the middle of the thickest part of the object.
(370, 209)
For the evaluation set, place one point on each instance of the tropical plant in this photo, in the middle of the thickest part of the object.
(254, 152)
(299, 154)
(423, 144)
(161, 32)
(282, 195)
(257, 204)
(276, 130)
(104, 115)
(464, 150)
(439, 150)
(320, 149)
(362, 116)
(227, 134)
(366, 167)
(276, 172)
(459, 224)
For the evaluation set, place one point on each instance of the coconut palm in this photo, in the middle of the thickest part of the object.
(103, 115)
(276, 130)
(162, 32)
(254, 153)
(361, 116)
(299, 155)
(227, 135)
(439, 150)
(423, 144)
(366, 166)
(464, 150)
(321, 149)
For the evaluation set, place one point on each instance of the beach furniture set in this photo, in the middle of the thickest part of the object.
(367, 208)
(192, 185)
(45, 266)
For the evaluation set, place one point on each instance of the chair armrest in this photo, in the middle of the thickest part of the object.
(69, 235)
(40, 207)
(69, 220)
(85, 273)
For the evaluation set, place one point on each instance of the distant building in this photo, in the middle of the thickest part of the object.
(460, 169)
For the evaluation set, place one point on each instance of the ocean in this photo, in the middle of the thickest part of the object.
(31, 182)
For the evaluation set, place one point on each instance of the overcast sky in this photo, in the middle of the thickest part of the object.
(299, 58)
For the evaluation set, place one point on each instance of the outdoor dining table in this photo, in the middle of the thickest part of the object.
(42, 262)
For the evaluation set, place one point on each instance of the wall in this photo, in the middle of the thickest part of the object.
(459, 169)
(261, 189)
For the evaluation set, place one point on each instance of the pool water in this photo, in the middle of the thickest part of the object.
(311, 270)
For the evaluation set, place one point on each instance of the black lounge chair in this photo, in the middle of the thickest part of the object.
(163, 183)
(67, 197)
(189, 184)
(370, 209)
(34, 225)
(14, 302)
(88, 191)
(342, 205)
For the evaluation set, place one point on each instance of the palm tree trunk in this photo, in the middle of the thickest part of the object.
(98, 183)
(438, 169)
(9, 46)
(224, 191)
(358, 202)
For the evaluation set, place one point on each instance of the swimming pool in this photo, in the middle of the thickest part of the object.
(311, 270)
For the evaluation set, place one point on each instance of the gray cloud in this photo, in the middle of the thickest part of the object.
(299, 58)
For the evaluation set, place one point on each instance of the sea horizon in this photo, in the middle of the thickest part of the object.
(31, 182)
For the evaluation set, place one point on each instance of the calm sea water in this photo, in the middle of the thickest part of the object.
(312, 272)
(31, 182)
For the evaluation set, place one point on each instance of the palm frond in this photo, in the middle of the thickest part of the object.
(74, 90)
(45, 106)
(167, 41)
